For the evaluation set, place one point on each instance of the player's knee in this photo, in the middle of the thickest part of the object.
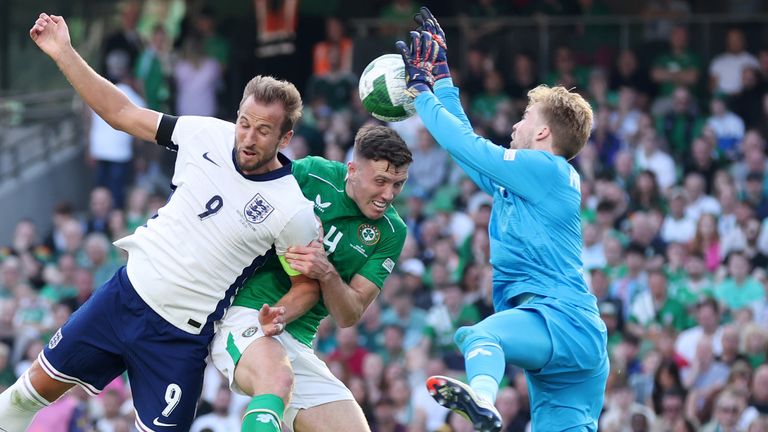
(469, 335)
(276, 379)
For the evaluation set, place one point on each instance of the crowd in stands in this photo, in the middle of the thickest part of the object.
(674, 209)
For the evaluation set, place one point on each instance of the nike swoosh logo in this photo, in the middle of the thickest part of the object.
(205, 156)
(157, 421)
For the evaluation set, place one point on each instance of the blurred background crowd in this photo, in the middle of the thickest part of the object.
(674, 201)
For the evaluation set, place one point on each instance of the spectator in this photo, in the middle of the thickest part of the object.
(754, 194)
(666, 380)
(677, 227)
(727, 126)
(110, 401)
(443, 319)
(698, 285)
(653, 310)
(429, 169)
(703, 160)
(112, 150)
(755, 344)
(100, 262)
(650, 157)
(214, 45)
(126, 41)
(348, 352)
(150, 71)
(521, 78)
(731, 343)
(636, 279)
(728, 409)
(739, 290)
(566, 72)
(508, 404)
(725, 71)
(708, 325)
(392, 347)
(62, 212)
(59, 280)
(752, 147)
(197, 77)
(759, 386)
(335, 87)
(627, 73)
(486, 104)
(593, 255)
(671, 410)
(748, 103)
(681, 124)
(620, 409)
(678, 67)
(335, 40)
(97, 220)
(699, 202)
(219, 420)
(385, 419)
(625, 119)
(705, 377)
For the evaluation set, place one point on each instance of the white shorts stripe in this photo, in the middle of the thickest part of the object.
(58, 376)
(139, 425)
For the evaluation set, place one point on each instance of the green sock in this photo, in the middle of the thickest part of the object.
(264, 414)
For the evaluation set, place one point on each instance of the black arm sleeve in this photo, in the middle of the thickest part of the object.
(165, 131)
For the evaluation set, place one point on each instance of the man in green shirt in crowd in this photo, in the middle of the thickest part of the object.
(363, 239)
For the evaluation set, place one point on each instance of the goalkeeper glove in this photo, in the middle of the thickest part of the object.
(418, 59)
(428, 23)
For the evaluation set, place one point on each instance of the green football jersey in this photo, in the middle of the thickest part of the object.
(354, 243)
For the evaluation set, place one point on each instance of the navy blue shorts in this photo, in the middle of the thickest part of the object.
(115, 331)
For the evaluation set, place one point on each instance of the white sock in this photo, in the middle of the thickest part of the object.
(19, 404)
(485, 387)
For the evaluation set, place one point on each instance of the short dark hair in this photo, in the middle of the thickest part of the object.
(708, 302)
(375, 142)
(606, 205)
(635, 248)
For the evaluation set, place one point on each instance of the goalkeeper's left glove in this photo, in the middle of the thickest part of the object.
(418, 59)
(427, 22)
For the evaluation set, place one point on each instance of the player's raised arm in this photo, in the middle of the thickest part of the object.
(51, 34)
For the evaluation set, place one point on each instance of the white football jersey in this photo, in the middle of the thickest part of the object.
(217, 227)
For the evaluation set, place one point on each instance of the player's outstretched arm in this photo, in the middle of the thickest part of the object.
(300, 298)
(51, 34)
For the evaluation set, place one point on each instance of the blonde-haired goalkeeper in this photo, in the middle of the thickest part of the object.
(546, 321)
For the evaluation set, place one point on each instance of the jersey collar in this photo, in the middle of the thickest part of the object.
(267, 176)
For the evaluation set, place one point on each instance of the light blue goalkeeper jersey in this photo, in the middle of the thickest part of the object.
(535, 227)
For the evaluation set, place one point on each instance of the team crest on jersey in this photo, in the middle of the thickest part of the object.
(250, 331)
(55, 340)
(257, 209)
(368, 234)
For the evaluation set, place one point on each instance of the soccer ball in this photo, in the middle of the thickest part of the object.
(382, 89)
